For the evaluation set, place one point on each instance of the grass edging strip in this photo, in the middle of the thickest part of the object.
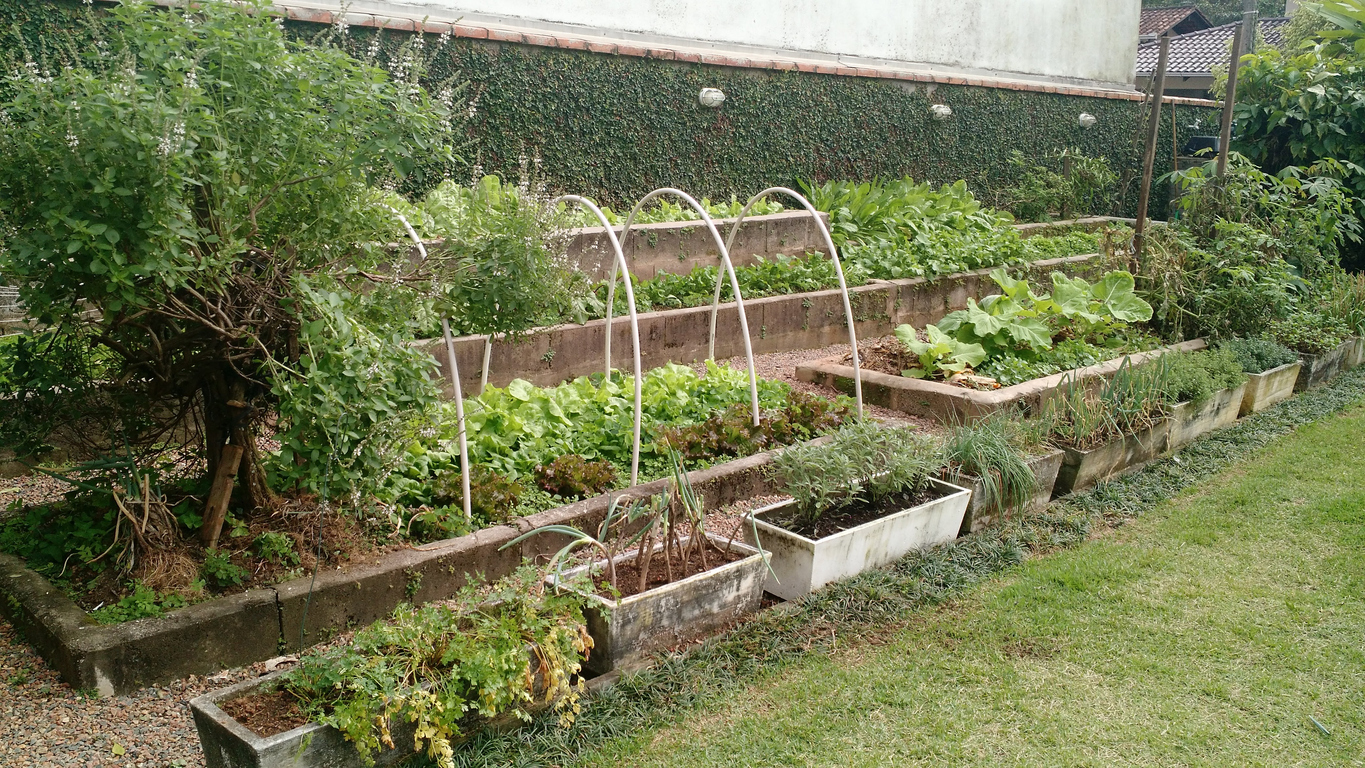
(878, 599)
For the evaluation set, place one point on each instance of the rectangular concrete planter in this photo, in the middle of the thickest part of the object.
(628, 631)
(979, 517)
(945, 403)
(1320, 369)
(1357, 355)
(1190, 421)
(1082, 469)
(803, 565)
(241, 629)
(1269, 387)
(229, 744)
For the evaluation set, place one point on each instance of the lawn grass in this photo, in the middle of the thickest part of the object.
(1206, 632)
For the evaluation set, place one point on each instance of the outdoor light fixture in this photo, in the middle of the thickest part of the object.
(1087, 120)
(941, 111)
(711, 97)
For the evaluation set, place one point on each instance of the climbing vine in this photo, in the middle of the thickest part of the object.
(615, 127)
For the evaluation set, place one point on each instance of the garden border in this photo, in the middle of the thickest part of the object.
(259, 624)
(939, 401)
(797, 321)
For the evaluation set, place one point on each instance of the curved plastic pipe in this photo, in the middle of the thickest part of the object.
(729, 268)
(838, 269)
(620, 262)
(454, 375)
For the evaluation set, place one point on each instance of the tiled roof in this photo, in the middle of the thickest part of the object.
(1199, 52)
(1155, 21)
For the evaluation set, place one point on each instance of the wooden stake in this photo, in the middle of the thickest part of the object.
(1149, 154)
(216, 509)
(1229, 100)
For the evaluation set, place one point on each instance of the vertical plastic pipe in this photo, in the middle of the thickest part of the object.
(487, 358)
(620, 263)
(454, 376)
(727, 268)
(838, 269)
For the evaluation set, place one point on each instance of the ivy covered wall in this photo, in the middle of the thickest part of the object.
(615, 127)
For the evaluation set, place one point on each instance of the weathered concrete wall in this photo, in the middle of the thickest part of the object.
(679, 247)
(1079, 41)
(550, 356)
(253, 626)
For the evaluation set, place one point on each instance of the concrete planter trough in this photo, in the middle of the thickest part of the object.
(1320, 369)
(1083, 469)
(1190, 421)
(946, 403)
(551, 355)
(625, 633)
(803, 565)
(1269, 387)
(228, 743)
(1357, 354)
(253, 626)
(979, 516)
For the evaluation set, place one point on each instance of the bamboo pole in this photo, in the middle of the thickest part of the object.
(1229, 100)
(1149, 153)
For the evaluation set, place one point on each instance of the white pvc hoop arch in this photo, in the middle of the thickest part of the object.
(634, 320)
(454, 376)
(727, 268)
(838, 269)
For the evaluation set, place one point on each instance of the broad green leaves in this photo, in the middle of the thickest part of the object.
(941, 354)
(1019, 322)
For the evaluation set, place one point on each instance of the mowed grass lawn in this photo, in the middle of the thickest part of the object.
(1207, 632)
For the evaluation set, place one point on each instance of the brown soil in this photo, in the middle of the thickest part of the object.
(344, 541)
(885, 355)
(266, 714)
(857, 514)
(628, 573)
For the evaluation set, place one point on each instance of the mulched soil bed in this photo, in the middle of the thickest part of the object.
(854, 515)
(885, 355)
(628, 574)
(266, 714)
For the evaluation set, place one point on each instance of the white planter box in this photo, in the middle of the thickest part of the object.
(803, 565)
(628, 631)
(1190, 421)
(1269, 387)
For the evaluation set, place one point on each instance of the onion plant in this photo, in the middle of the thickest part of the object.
(992, 451)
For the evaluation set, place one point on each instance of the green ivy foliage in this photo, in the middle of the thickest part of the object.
(616, 127)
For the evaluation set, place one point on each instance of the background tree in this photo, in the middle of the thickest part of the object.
(184, 212)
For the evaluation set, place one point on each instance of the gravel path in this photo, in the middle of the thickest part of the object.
(45, 724)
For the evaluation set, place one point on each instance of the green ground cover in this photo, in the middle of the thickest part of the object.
(1207, 632)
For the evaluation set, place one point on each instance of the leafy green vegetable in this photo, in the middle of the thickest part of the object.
(940, 354)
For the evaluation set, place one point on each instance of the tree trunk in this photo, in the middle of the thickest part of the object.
(228, 419)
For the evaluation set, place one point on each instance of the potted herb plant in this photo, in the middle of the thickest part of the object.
(661, 579)
(1004, 461)
(862, 500)
(1271, 371)
(1324, 344)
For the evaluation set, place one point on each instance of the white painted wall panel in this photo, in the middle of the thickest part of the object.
(1076, 40)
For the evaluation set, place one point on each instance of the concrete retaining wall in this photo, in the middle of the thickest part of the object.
(680, 246)
(259, 624)
(549, 356)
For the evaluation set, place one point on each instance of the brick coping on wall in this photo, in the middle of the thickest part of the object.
(713, 57)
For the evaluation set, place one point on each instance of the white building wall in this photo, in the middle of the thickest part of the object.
(1079, 41)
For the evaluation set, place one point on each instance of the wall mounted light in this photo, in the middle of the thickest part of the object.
(941, 111)
(1087, 120)
(711, 97)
